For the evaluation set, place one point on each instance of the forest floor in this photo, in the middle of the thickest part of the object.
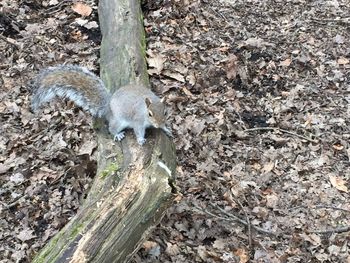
(259, 99)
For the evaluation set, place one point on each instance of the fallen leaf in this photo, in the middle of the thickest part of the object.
(272, 200)
(334, 250)
(338, 147)
(53, 2)
(231, 67)
(254, 42)
(174, 75)
(219, 244)
(25, 235)
(314, 239)
(242, 254)
(268, 167)
(3, 168)
(17, 178)
(338, 183)
(92, 24)
(172, 249)
(87, 147)
(202, 253)
(286, 62)
(81, 22)
(156, 64)
(343, 61)
(147, 245)
(339, 39)
(82, 9)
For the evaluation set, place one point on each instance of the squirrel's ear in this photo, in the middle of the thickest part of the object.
(148, 102)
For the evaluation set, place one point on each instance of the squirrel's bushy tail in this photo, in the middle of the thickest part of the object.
(75, 83)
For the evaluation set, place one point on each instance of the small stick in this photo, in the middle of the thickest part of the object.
(14, 203)
(233, 218)
(281, 130)
(247, 220)
(10, 41)
(258, 229)
(332, 207)
(341, 19)
(320, 207)
(331, 231)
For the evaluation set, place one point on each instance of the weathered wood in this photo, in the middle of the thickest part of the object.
(133, 185)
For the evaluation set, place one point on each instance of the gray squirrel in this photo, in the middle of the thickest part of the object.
(133, 106)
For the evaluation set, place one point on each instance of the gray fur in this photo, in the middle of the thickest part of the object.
(128, 103)
(44, 94)
(126, 108)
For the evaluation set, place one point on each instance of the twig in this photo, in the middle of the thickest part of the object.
(320, 207)
(247, 219)
(233, 218)
(324, 20)
(43, 132)
(258, 229)
(10, 41)
(55, 8)
(281, 130)
(219, 13)
(313, 108)
(331, 231)
(332, 207)
(14, 203)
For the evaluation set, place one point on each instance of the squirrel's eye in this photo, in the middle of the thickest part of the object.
(150, 113)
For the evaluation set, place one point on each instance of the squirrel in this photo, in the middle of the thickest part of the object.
(132, 106)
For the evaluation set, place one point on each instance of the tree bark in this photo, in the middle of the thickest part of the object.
(134, 184)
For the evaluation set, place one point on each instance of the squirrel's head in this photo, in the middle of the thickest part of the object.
(156, 112)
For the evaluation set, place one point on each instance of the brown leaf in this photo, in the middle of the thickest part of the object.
(286, 62)
(87, 147)
(172, 249)
(156, 64)
(219, 244)
(82, 9)
(148, 245)
(25, 235)
(343, 61)
(312, 238)
(338, 183)
(202, 253)
(174, 75)
(338, 147)
(17, 178)
(3, 168)
(268, 167)
(242, 254)
(231, 67)
(272, 200)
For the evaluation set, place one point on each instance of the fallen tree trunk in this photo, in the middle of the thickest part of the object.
(134, 184)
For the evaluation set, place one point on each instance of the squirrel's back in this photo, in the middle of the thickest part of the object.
(75, 83)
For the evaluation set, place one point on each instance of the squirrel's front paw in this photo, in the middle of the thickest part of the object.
(119, 136)
(141, 141)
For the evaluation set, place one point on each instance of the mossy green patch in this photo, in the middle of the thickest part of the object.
(76, 230)
(42, 257)
(110, 169)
